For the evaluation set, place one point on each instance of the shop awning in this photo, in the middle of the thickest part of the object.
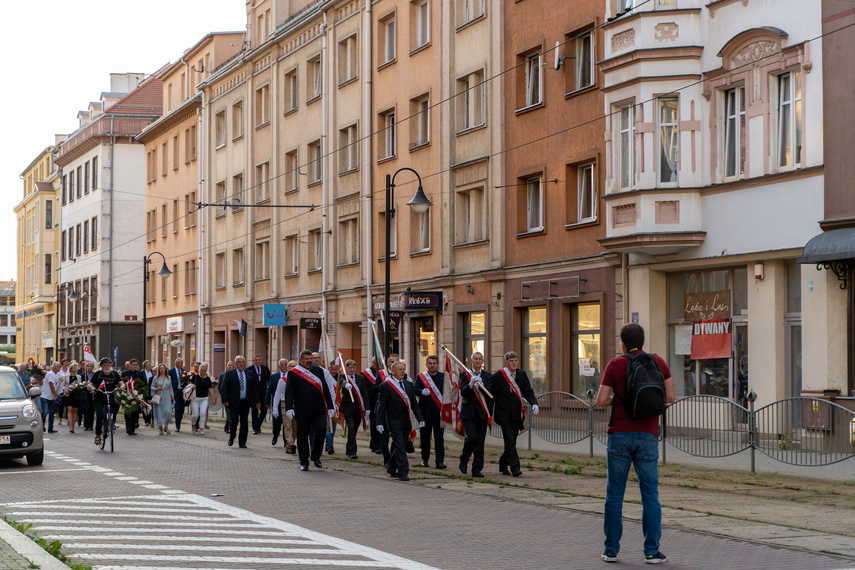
(833, 245)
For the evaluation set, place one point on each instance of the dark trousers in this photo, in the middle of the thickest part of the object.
(384, 446)
(87, 412)
(354, 423)
(146, 414)
(132, 421)
(278, 428)
(238, 414)
(473, 444)
(317, 425)
(101, 413)
(374, 442)
(399, 463)
(433, 427)
(179, 409)
(258, 417)
(509, 458)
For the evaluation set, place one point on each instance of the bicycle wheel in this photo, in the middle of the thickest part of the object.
(112, 434)
(104, 432)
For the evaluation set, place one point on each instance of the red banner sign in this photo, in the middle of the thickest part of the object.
(711, 339)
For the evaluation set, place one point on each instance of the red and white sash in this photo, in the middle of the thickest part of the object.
(310, 378)
(480, 398)
(394, 384)
(357, 398)
(370, 375)
(516, 390)
(434, 391)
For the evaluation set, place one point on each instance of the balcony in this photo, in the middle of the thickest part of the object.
(653, 222)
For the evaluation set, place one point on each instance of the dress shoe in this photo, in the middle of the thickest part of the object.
(275, 440)
(231, 442)
(463, 468)
(477, 474)
(391, 472)
(441, 466)
(242, 446)
(378, 451)
(517, 473)
(404, 478)
(318, 464)
(330, 451)
(423, 464)
(177, 429)
(304, 467)
(504, 471)
(256, 432)
(293, 450)
(352, 456)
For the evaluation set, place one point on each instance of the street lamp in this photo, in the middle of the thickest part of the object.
(164, 272)
(420, 204)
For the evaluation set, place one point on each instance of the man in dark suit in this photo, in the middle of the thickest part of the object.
(510, 386)
(261, 377)
(476, 413)
(397, 400)
(371, 381)
(354, 399)
(428, 388)
(238, 392)
(229, 366)
(308, 399)
(175, 376)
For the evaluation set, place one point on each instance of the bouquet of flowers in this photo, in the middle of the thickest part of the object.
(77, 385)
(132, 398)
(126, 401)
(33, 371)
(187, 376)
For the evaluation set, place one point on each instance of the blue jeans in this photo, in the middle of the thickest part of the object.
(328, 439)
(642, 451)
(46, 409)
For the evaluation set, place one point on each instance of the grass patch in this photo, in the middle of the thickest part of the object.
(54, 547)
(687, 486)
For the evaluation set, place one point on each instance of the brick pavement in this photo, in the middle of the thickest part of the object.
(475, 524)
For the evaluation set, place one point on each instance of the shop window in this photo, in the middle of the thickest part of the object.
(424, 337)
(533, 353)
(474, 334)
(585, 358)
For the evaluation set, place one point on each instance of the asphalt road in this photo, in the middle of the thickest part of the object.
(184, 501)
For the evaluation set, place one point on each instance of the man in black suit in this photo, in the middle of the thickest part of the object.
(229, 366)
(476, 413)
(175, 376)
(396, 402)
(354, 399)
(238, 393)
(308, 398)
(371, 381)
(261, 377)
(428, 388)
(510, 386)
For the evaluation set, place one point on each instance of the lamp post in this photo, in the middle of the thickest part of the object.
(164, 272)
(420, 204)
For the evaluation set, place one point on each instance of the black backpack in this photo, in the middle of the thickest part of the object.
(645, 387)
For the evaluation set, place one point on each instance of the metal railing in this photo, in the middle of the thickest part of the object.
(801, 431)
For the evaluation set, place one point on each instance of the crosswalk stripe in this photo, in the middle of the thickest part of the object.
(242, 560)
(199, 541)
(321, 549)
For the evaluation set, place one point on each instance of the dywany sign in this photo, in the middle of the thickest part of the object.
(275, 315)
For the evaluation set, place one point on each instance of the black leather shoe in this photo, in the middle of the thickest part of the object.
(504, 471)
(477, 474)
(391, 472)
(441, 466)
(423, 464)
(378, 451)
(331, 451)
(517, 473)
(275, 440)
(318, 464)
(293, 450)
(463, 468)
(231, 442)
(243, 446)
(352, 456)
(404, 478)
(304, 467)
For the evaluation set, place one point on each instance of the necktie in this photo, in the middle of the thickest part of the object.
(401, 382)
(240, 376)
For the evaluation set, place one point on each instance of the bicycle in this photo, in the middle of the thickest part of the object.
(108, 428)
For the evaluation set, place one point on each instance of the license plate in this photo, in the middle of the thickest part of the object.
(5, 440)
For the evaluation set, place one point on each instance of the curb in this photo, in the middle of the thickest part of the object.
(29, 549)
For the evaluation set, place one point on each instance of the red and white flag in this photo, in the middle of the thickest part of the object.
(87, 354)
(452, 375)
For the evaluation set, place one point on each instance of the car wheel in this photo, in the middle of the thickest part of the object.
(36, 458)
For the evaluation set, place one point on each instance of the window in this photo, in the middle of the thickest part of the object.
(469, 226)
(175, 216)
(734, 132)
(190, 278)
(71, 186)
(314, 77)
(94, 225)
(393, 236)
(668, 139)
(86, 177)
(468, 10)
(387, 39)
(174, 278)
(85, 302)
(583, 64)
(237, 120)
(420, 123)
(585, 360)
(77, 241)
(533, 353)
(348, 242)
(192, 153)
(470, 101)
(386, 137)
(79, 181)
(315, 250)
(262, 261)
(420, 19)
(94, 173)
(348, 149)
(262, 175)
(48, 268)
(789, 137)
(164, 210)
(175, 152)
(220, 270)
(237, 192)
(347, 59)
(86, 236)
(262, 105)
(315, 162)
(420, 228)
(534, 204)
(48, 214)
(626, 142)
(237, 266)
(93, 298)
(532, 80)
(220, 129)
(623, 6)
(64, 189)
(291, 90)
(292, 174)
(292, 257)
(474, 333)
(164, 159)
(190, 210)
(220, 194)
(586, 184)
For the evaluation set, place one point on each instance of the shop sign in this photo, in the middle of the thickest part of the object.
(394, 321)
(706, 306)
(711, 339)
(395, 302)
(310, 323)
(219, 347)
(416, 301)
(175, 324)
(275, 315)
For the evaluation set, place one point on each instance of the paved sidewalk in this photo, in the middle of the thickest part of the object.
(18, 552)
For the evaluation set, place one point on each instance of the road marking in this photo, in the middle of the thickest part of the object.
(41, 471)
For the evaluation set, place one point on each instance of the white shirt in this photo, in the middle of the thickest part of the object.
(50, 379)
(279, 394)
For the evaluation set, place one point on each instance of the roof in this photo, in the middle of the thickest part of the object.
(146, 99)
(833, 245)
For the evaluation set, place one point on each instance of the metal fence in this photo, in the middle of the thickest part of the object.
(799, 431)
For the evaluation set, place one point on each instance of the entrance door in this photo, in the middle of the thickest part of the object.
(739, 375)
(424, 339)
(794, 371)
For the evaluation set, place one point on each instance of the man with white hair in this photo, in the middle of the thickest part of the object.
(49, 392)
(278, 380)
(395, 408)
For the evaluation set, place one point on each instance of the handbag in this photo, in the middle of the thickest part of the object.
(189, 393)
(155, 399)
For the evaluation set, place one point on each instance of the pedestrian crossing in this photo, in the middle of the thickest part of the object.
(173, 529)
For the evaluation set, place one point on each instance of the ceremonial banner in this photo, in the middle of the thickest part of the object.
(711, 339)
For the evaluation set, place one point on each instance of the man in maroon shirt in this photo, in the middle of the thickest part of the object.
(632, 442)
